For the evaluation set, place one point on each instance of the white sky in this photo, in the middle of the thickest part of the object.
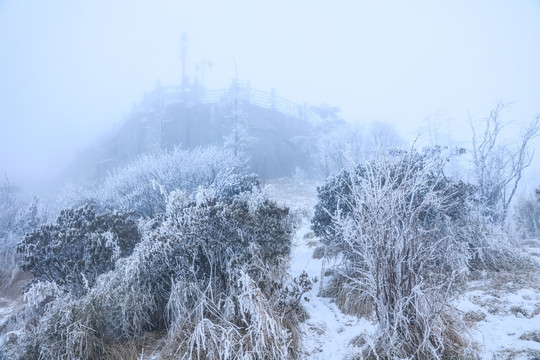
(69, 69)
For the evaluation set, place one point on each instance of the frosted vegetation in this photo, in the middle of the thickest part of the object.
(405, 236)
(184, 255)
(205, 264)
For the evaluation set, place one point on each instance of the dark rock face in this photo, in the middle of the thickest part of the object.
(268, 134)
(266, 137)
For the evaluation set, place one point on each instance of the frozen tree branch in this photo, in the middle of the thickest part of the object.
(498, 167)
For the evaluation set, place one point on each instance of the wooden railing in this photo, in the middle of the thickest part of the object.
(166, 95)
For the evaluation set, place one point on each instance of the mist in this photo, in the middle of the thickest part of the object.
(70, 72)
(269, 179)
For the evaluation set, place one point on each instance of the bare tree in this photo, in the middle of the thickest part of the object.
(339, 141)
(9, 207)
(498, 166)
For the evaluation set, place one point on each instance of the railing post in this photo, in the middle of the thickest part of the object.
(248, 93)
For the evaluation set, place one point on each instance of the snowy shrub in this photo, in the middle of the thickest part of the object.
(245, 322)
(236, 184)
(141, 186)
(15, 221)
(527, 216)
(78, 247)
(232, 304)
(9, 208)
(490, 247)
(210, 271)
(335, 196)
(393, 228)
(32, 217)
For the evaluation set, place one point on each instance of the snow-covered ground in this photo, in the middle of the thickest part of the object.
(506, 325)
(503, 309)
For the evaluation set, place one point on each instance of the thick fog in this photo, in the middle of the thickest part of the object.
(70, 71)
(250, 179)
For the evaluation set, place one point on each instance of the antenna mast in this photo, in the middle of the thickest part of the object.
(183, 54)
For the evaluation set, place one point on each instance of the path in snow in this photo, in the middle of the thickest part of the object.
(327, 332)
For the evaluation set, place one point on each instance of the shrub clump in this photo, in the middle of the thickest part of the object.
(141, 186)
(488, 246)
(527, 216)
(209, 271)
(15, 222)
(79, 247)
(394, 224)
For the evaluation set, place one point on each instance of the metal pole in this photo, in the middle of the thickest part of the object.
(183, 54)
(236, 135)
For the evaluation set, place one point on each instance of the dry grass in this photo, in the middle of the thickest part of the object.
(447, 340)
(243, 325)
(319, 252)
(348, 297)
(8, 259)
(531, 336)
(511, 354)
(496, 283)
(13, 283)
(313, 243)
(473, 317)
(134, 349)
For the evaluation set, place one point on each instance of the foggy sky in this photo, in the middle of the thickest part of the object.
(69, 70)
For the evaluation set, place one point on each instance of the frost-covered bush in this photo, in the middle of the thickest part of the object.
(235, 185)
(394, 231)
(9, 208)
(228, 303)
(403, 235)
(211, 271)
(15, 221)
(490, 247)
(527, 216)
(336, 197)
(77, 248)
(140, 186)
